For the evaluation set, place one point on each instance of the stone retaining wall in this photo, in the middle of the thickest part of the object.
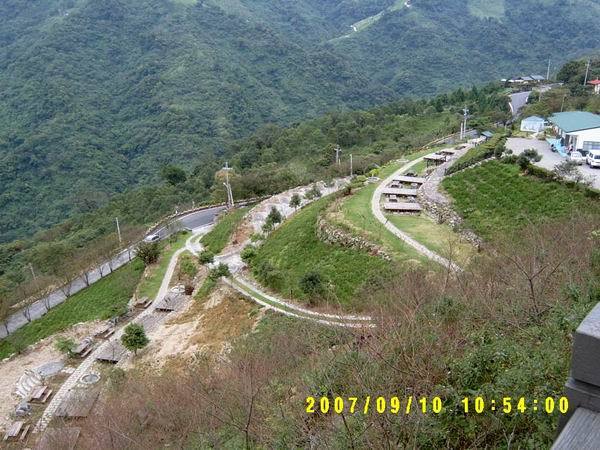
(331, 234)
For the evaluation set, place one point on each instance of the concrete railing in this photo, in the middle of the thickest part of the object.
(580, 427)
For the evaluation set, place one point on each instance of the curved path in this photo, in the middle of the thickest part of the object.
(88, 362)
(378, 213)
(40, 307)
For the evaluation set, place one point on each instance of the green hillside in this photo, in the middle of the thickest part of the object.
(98, 96)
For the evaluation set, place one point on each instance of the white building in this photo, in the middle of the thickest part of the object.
(533, 124)
(577, 128)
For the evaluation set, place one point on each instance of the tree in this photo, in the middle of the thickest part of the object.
(4, 313)
(313, 193)
(148, 252)
(274, 216)
(569, 170)
(173, 175)
(206, 257)
(311, 284)
(134, 338)
(295, 201)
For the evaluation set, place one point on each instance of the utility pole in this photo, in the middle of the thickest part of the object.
(587, 71)
(548, 72)
(351, 171)
(563, 103)
(464, 123)
(119, 231)
(338, 151)
(227, 185)
(32, 273)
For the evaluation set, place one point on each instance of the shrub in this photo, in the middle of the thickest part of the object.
(274, 216)
(313, 193)
(312, 284)
(148, 252)
(248, 253)
(295, 201)
(65, 345)
(206, 257)
(222, 270)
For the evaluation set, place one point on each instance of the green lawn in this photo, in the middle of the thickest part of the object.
(150, 285)
(294, 250)
(357, 211)
(439, 238)
(102, 300)
(496, 197)
(219, 236)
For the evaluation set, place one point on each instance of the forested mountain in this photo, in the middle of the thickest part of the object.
(96, 97)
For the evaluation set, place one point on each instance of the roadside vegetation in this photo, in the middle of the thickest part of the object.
(104, 299)
(474, 335)
(295, 263)
(150, 284)
(496, 198)
(217, 238)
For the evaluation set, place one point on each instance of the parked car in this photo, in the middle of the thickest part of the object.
(576, 157)
(152, 238)
(593, 158)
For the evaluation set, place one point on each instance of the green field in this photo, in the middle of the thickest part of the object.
(219, 236)
(439, 238)
(102, 300)
(496, 197)
(294, 250)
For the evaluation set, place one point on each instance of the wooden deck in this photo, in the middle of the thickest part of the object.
(405, 179)
(112, 353)
(402, 207)
(400, 191)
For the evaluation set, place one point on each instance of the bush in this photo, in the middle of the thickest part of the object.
(274, 216)
(267, 273)
(313, 193)
(65, 345)
(295, 201)
(148, 252)
(248, 253)
(222, 270)
(312, 284)
(206, 257)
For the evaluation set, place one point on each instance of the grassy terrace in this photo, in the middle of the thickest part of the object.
(439, 238)
(219, 236)
(496, 197)
(150, 284)
(293, 250)
(102, 300)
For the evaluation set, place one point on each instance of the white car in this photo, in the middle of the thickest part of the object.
(576, 157)
(152, 238)
(593, 158)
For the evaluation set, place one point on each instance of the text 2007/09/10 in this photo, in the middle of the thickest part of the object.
(425, 405)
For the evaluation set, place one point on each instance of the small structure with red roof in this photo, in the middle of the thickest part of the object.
(596, 84)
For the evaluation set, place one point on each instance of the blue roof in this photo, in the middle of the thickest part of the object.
(575, 121)
(487, 134)
(534, 119)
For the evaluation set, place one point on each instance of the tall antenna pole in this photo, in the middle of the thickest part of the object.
(119, 231)
(587, 71)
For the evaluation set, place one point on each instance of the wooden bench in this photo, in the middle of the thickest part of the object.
(41, 394)
(143, 302)
(15, 429)
(83, 349)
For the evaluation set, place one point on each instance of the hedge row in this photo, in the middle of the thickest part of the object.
(477, 154)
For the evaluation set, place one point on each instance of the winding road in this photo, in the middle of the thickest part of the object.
(40, 307)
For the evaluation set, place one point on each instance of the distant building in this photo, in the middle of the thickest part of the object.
(533, 124)
(487, 135)
(530, 79)
(596, 84)
(580, 129)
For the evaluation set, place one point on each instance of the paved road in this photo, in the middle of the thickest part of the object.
(518, 101)
(36, 310)
(549, 158)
